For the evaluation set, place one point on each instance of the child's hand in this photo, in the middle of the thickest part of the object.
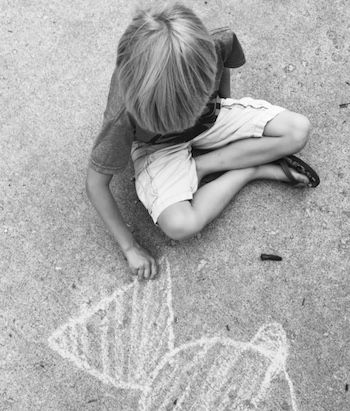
(141, 262)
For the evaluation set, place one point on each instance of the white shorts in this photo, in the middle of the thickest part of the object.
(166, 173)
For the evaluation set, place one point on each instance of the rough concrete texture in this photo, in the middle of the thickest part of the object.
(56, 256)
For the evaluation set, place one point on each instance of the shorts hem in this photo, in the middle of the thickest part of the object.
(160, 206)
(267, 116)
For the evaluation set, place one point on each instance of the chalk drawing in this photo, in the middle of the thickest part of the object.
(121, 339)
(127, 340)
(221, 374)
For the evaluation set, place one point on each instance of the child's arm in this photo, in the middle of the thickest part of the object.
(140, 261)
(225, 84)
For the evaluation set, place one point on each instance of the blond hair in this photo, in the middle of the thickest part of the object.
(166, 67)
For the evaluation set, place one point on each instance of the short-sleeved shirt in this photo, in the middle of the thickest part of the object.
(112, 147)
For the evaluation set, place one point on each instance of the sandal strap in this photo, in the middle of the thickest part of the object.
(284, 165)
(304, 168)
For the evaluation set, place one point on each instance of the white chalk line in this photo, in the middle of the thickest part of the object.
(133, 328)
(224, 378)
(217, 395)
(198, 357)
(86, 367)
(119, 339)
(146, 330)
(86, 313)
(105, 346)
(291, 390)
(171, 340)
(277, 366)
(65, 340)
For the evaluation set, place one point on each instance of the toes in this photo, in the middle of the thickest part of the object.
(302, 178)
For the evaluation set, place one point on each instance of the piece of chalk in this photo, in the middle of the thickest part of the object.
(272, 257)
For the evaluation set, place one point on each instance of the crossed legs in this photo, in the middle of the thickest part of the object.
(244, 161)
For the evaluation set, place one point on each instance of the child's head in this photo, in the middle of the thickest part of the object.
(166, 67)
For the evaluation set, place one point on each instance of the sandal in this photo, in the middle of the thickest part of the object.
(301, 167)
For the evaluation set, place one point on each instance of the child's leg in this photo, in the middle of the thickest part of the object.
(247, 160)
(168, 178)
(183, 219)
(285, 134)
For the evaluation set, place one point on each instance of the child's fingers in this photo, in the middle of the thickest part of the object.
(140, 273)
(147, 272)
(154, 268)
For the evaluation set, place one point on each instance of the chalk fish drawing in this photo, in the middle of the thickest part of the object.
(127, 340)
(122, 339)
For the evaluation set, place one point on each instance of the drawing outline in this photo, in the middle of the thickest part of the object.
(127, 340)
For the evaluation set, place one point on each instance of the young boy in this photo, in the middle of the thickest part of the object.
(169, 94)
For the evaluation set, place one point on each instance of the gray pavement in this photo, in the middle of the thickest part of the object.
(58, 261)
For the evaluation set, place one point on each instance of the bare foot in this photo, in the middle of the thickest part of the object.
(274, 172)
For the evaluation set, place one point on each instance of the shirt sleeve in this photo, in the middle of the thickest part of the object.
(230, 48)
(114, 101)
(111, 150)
